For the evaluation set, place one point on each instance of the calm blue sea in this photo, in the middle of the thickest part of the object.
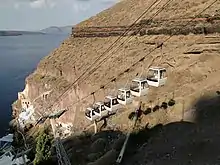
(19, 56)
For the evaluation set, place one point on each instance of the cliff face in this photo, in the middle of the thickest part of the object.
(189, 74)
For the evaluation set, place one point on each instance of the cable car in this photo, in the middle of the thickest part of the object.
(90, 114)
(100, 109)
(124, 96)
(139, 87)
(111, 103)
(156, 76)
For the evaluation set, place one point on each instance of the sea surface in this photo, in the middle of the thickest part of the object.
(19, 56)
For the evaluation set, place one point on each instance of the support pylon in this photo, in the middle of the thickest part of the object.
(61, 153)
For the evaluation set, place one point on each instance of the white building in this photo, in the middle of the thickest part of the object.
(26, 116)
(8, 158)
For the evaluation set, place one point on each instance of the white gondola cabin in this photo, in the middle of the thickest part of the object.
(111, 103)
(90, 114)
(100, 109)
(124, 96)
(139, 87)
(156, 76)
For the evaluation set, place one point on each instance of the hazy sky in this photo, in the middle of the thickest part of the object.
(39, 14)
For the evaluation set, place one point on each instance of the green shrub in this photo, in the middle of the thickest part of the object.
(43, 148)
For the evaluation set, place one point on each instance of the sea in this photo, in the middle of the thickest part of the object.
(19, 56)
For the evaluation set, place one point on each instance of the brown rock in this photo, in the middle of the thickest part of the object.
(108, 159)
(98, 146)
(117, 145)
(94, 156)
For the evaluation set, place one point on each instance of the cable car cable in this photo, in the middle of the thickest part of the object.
(105, 51)
(92, 71)
(126, 31)
(147, 54)
(140, 29)
(150, 51)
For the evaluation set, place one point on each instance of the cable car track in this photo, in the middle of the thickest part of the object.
(122, 72)
(106, 51)
(140, 60)
(127, 39)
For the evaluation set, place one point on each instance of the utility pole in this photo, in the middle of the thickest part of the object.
(25, 144)
(95, 127)
(61, 153)
(119, 159)
(183, 110)
(121, 154)
(23, 157)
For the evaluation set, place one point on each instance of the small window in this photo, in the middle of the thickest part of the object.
(93, 113)
(144, 85)
(163, 74)
(135, 86)
(96, 109)
(156, 74)
(114, 101)
(102, 108)
(87, 113)
(107, 103)
(121, 96)
(8, 154)
(128, 94)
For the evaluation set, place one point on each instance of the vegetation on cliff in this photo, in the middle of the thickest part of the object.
(43, 148)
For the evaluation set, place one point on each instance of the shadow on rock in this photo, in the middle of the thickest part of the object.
(184, 142)
(95, 149)
(174, 143)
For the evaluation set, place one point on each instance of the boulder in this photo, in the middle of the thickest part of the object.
(98, 146)
(94, 156)
(117, 145)
(108, 159)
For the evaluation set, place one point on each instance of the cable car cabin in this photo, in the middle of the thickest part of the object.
(124, 96)
(156, 76)
(100, 109)
(111, 103)
(139, 87)
(90, 114)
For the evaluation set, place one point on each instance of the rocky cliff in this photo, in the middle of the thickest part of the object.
(192, 61)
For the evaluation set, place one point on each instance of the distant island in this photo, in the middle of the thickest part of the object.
(57, 30)
(49, 30)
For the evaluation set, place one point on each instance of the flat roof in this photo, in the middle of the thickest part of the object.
(89, 108)
(110, 97)
(7, 138)
(124, 89)
(157, 68)
(99, 103)
(139, 79)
